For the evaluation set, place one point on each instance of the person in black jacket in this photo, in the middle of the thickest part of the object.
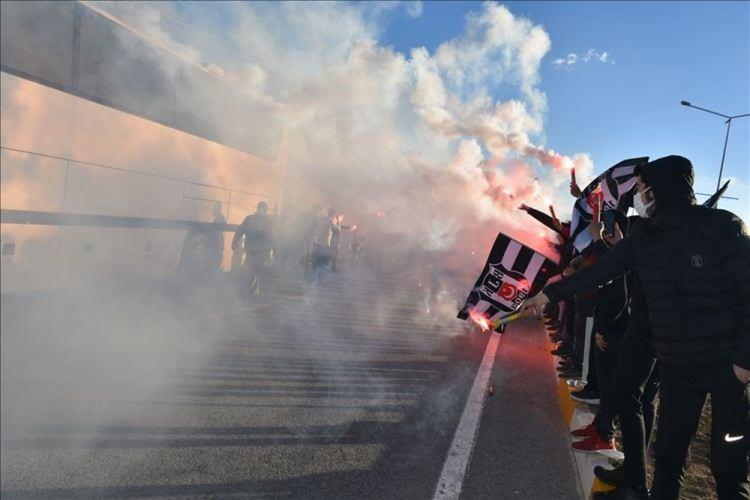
(611, 318)
(636, 386)
(255, 235)
(694, 266)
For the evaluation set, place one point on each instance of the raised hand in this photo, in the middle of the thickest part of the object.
(532, 308)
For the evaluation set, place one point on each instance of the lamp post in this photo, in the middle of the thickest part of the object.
(726, 139)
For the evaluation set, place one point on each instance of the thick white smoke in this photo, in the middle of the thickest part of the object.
(412, 147)
(419, 137)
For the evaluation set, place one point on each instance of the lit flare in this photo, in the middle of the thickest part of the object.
(484, 323)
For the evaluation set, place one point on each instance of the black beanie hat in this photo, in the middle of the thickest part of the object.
(671, 179)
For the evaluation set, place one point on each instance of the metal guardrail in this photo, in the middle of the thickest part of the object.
(33, 217)
(132, 171)
(68, 162)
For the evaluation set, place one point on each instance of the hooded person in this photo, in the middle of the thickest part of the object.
(693, 265)
(255, 236)
(611, 319)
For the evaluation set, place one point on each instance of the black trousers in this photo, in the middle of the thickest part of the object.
(683, 393)
(583, 307)
(566, 316)
(606, 366)
(636, 386)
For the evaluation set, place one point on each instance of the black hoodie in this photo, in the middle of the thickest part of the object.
(694, 266)
(671, 179)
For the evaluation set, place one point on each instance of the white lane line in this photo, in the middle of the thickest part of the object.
(452, 478)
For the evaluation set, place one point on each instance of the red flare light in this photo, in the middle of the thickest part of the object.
(480, 320)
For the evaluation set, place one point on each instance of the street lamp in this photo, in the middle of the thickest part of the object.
(726, 140)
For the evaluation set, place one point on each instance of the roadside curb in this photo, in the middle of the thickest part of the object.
(577, 415)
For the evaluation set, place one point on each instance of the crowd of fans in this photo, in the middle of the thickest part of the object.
(313, 245)
(668, 292)
(665, 296)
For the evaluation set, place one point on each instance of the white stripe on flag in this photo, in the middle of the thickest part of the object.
(533, 268)
(626, 186)
(609, 197)
(622, 171)
(511, 252)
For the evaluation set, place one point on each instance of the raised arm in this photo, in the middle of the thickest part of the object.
(619, 260)
(542, 217)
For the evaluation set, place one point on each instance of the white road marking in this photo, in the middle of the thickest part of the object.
(452, 478)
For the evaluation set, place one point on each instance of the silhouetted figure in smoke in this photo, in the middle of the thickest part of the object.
(304, 230)
(215, 237)
(336, 229)
(203, 249)
(356, 246)
(257, 232)
(320, 252)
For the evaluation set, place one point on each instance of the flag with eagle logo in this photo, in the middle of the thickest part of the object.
(613, 190)
(513, 273)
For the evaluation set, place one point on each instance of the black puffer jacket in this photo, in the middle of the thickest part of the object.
(694, 267)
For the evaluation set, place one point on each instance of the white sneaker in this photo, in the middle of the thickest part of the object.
(575, 383)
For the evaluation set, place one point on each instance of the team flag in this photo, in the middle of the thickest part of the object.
(513, 273)
(611, 190)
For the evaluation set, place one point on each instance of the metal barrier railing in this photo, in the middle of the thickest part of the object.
(68, 162)
(34, 217)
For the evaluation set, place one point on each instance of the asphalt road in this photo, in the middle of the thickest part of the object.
(341, 391)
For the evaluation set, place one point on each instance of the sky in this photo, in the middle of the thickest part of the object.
(451, 115)
(628, 105)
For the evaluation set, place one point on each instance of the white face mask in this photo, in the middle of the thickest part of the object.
(640, 207)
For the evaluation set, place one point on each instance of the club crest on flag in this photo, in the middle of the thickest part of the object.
(513, 273)
(503, 288)
(613, 189)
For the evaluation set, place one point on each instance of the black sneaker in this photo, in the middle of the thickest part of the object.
(556, 337)
(613, 477)
(585, 395)
(621, 493)
(561, 351)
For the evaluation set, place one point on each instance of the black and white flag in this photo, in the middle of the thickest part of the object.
(513, 273)
(614, 187)
(714, 199)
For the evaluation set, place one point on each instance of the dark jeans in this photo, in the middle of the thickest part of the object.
(583, 308)
(683, 393)
(568, 324)
(636, 385)
(320, 257)
(592, 377)
(606, 367)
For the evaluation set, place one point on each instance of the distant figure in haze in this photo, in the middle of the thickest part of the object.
(320, 251)
(257, 232)
(356, 246)
(215, 237)
(201, 252)
(305, 228)
(336, 229)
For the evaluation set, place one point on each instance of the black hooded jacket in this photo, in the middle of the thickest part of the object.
(694, 267)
